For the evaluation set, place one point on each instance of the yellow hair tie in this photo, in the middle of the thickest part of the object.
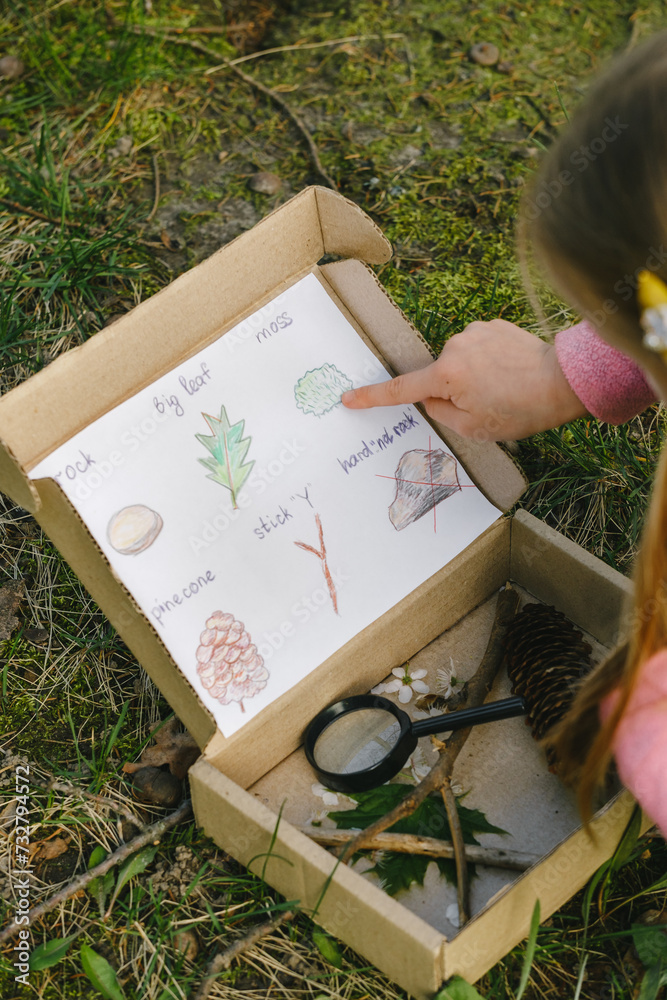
(652, 297)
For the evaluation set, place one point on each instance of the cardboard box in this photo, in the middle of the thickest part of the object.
(264, 756)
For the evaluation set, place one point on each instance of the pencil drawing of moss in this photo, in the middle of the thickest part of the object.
(319, 390)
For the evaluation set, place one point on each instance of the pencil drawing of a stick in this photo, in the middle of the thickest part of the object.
(321, 553)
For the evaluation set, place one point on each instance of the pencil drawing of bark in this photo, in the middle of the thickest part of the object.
(321, 553)
(423, 480)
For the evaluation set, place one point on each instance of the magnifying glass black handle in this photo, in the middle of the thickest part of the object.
(507, 708)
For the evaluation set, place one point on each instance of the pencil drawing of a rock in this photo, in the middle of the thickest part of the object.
(319, 390)
(423, 479)
(133, 529)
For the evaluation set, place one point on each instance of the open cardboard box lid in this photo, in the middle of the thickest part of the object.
(170, 327)
(159, 334)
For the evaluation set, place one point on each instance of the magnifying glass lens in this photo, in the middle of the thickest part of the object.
(356, 741)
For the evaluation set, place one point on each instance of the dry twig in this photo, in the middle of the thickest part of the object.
(34, 214)
(460, 855)
(57, 785)
(151, 835)
(156, 199)
(409, 843)
(311, 45)
(267, 91)
(478, 689)
(224, 959)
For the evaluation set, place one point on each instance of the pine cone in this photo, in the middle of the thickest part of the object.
(546, 659)
(228, 663)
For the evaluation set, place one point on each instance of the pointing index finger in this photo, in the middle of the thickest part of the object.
(409, 388)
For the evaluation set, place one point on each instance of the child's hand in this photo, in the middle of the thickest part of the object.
(493, 381)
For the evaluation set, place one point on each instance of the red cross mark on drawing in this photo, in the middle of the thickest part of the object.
(429, 482)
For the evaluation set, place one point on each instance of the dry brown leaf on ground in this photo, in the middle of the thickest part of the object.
(47, 850)
(11, 595)
(177, 749)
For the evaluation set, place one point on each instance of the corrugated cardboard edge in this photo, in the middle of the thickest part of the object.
(405, 947)
(506, 919)
(14, 481)
(489, 466)
(77, 387)
(60, 521)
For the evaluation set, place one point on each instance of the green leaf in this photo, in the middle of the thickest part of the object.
(228, 450)
(628, 841)
(100, 973)
(660, 884)
(458, 989)
(651, 944)
(399, 871)
(100, 887)
(530, 950)
(97, 856)
(652, 982)
(328, 948)
(134, 865)
(50, 953)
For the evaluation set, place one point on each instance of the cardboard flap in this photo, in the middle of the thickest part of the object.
(348, 231)
(181, 319)
(15, 483)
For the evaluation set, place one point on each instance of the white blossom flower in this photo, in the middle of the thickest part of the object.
(416, 764)
(447, 680)
(406, 684)
(452, 914)
(431, 713)
(329, 798)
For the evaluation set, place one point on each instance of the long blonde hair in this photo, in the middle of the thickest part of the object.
(595, 215)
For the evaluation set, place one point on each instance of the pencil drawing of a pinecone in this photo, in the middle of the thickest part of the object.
(546, 658)
(228, 663)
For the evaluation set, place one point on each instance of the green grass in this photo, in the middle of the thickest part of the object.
(437, 150)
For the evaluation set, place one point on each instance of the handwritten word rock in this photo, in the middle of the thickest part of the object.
(77, 467)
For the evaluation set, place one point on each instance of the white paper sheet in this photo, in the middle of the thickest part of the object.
(211, 491)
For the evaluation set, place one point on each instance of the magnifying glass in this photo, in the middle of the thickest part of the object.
(361, 742)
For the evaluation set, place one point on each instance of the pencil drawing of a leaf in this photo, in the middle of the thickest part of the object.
(228, 449)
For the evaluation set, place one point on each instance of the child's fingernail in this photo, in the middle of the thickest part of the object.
(348, 396)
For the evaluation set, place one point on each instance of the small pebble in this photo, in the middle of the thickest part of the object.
(265, 183)
(187, 943)
(124, 144)
(158, 787)
(505, 67)
(11, 67)
(484, 53)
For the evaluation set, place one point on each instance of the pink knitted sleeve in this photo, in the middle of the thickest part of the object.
(611, 386)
